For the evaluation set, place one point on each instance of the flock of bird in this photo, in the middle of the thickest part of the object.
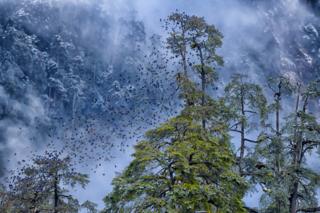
(132, 105)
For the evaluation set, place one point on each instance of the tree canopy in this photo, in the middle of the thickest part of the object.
(185, 165)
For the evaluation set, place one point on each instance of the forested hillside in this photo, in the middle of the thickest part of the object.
(58, 62)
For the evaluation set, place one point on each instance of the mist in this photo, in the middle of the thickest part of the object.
(107, 42)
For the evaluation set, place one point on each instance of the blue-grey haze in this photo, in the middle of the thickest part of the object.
(80, 75)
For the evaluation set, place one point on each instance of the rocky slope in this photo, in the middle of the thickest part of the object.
(74, 75)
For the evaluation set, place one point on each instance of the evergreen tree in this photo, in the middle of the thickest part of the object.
(269, 159)
(194, 42)
(205, 40)
(178, 26)
(185, 165)
(179, 168)
(288, 182)
(41, 187)
(5, 203)
(245, 100)
(303, 136)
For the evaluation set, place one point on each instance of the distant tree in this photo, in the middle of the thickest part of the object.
(205, 40)
(177, 24)
(303, 136)
(90, 207)
(282, 169)
(269, 159)
(41, 187)
(195, 41)
(245, 100)
(5, 204)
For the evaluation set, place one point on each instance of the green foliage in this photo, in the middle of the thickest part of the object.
(37, 186)
(179, 27)
(288, 182)
(194, 41)
(207, 37)
(183, 166)
(90, 207)
(247, 105)
(178, 168)
(240, 92)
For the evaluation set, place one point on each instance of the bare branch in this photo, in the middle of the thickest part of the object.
(312, 209)
(251, 141)
(250, 111)
(235, 125)
(250, 210)
(235, 130)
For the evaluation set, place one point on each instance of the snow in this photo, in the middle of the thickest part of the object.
(310, 28)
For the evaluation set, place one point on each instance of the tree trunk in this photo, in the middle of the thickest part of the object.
(278, 138)
(56, 194)
(34, 208)
(297, 158)
(242, 133)
(184, 55)
(203, 84)
(294, 197)
(74, 108)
